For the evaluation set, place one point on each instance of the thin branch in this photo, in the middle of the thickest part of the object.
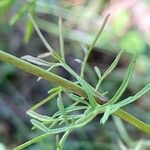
(61, 39)
(92, 45)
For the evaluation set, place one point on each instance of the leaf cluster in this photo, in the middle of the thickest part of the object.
(83, 109)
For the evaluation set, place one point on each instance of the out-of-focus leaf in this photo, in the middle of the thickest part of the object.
(5, 6)
(28, 32)
(29, 25)
(18, 15)
(132, 42)
(120, 22)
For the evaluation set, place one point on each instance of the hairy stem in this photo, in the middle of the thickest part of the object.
(68, 85)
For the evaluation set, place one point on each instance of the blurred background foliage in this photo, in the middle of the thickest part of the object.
(128, 28)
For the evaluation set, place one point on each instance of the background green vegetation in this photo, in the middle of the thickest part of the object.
(128, 28)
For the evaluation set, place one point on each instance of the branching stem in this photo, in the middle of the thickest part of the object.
(28, 67)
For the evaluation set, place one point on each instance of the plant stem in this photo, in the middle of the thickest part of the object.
(35, 70)
(133, 121)
(61, 39)
(67, 85)
(92, 45)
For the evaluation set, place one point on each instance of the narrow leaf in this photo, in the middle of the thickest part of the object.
(106, 114)
(54, 54)
(97, 72)
(18, 15)
(109, 70)
(130, 99)
(28, 31)
(71, 109)
(125, 83)
(39, 125)
(32, 141)
(89, 91)
(61, 108)
(63, 139)
(37, 116)
(39, 138)
(36, 61)
(78, 99)
(84, 120)
(53, 90)
(93, 44)
(44, 101)
(43, 55)
(29, 25)
(113, 65)
(40, 34)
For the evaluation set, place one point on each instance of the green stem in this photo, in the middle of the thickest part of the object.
(133, 121)
(61, 39)
(92, 45)
(28, 67)
(67, 85)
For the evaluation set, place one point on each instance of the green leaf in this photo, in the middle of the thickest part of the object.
(39, 138)
(5, 6)
(114, 64)
(122, 130)
(39, 117)
(130, 99)
(28, 31)
(32, 141)
(88, 88)
(71, 109)
(29, 25)
(53, 90)
(109, 70)
(40, 34)
(63, 139)
(89, 91)
(46, 44)
(39, 125)
(78, 99)
(37, 61)
(97, 72)
(84, 120)
(61, 108)
(44, 55)
(125, 83)
(106, 114)
(44, 101)
(93, 44)
(18, 15)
